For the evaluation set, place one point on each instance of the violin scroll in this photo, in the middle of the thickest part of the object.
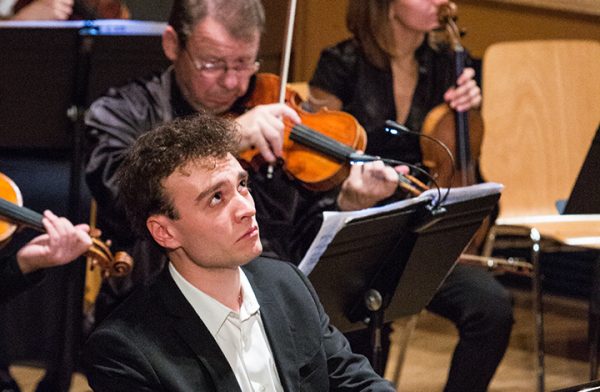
(447, 15)
(100, 255)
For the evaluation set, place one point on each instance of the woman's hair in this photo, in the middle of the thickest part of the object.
(368, 21)
(241, 18)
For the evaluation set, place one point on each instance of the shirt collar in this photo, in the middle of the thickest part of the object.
(250, 304)
(213, 313)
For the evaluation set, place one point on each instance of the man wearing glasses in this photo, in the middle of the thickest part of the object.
(213, 47)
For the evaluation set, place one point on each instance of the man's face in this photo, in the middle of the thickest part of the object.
(211, 43)
(217, 220)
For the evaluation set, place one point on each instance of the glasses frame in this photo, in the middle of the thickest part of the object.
(220, 68)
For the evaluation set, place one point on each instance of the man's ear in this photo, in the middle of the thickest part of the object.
(170, 43)
(162, 231)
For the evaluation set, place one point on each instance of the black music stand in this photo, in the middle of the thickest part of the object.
(49, 73)
(388, 265)
(37, 75)
(585, 195)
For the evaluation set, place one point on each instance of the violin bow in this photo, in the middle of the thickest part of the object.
(287, 49)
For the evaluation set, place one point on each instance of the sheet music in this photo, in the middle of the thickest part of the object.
(334, 221)
(461, 194)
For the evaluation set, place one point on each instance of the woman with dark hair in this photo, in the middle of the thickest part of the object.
(392, 68)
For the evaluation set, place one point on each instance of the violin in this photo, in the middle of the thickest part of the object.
(339, 133)
(317, 151)
(13, 215)
(461, 132)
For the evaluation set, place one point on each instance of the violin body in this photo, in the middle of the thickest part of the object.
(9, 192)
(316, 170)
(440, 124)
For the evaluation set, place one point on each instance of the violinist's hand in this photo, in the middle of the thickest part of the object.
(467, 94)
(61, 244)
(46, 10)
(368, 184)
(262, 128)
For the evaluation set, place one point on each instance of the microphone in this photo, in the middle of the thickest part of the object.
(394, 128)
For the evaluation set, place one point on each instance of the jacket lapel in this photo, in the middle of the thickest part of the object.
(192, 330)
(280, 332)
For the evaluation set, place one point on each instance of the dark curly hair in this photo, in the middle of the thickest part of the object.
(158, 153)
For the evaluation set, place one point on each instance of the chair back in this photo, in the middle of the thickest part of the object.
(541, 109)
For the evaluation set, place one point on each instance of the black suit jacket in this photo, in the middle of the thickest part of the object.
(156, 342)
(12, 280)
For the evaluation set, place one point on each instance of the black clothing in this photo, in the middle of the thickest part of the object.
(289, 216)
(156, 341)
(470, 297)
(366, 93)
(12, 280)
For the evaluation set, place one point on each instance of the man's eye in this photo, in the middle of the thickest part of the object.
(243, 185)
(216, 199)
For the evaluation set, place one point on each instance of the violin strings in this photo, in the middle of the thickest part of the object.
(320, 142)
(337, 150)
(20, 214)
(323, 143)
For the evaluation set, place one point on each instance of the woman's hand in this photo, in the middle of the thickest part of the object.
(466, 95)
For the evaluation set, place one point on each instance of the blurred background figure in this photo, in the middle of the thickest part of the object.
(63, 9)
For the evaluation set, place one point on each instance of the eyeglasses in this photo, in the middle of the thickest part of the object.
(218, 68)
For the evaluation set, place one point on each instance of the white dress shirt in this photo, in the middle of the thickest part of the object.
(240, 336)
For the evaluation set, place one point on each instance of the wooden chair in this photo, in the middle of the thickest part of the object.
(541, 109)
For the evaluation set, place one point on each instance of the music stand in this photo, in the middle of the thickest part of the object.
(585, 195)
(37, 75)
(49, 73)
(387, 265)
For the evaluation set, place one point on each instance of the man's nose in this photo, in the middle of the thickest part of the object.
(244, 207)
(230, 79)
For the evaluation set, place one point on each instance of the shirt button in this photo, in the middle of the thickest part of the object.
(262, 388)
